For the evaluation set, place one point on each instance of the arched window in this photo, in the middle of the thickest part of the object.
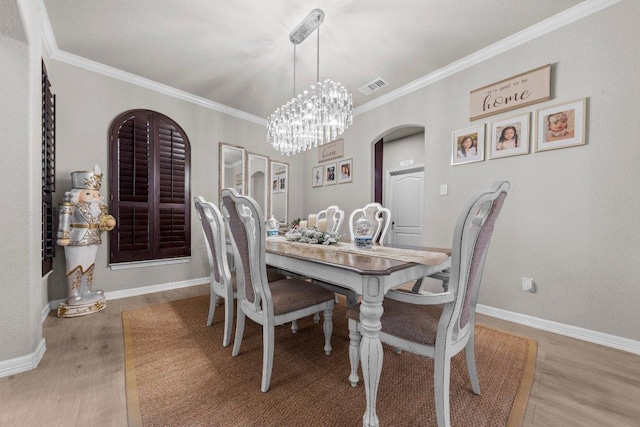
(149, 188)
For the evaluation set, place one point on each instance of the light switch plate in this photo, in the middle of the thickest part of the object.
(444, 189)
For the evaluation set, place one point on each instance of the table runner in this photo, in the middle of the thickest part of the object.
(407, 255)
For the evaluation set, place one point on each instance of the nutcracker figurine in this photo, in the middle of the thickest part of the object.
(82, 217)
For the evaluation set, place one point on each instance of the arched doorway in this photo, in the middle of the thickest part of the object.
(399, 182)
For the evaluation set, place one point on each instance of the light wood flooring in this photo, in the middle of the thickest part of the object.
(80, 380)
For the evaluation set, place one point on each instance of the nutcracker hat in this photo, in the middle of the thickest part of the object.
(89, 180)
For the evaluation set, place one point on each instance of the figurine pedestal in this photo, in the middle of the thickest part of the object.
(66, 310)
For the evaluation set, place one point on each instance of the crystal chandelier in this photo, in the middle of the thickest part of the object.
(316, 116)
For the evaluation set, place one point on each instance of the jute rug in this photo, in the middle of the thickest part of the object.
(178, 374)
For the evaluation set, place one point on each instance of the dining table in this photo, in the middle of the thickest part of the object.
(370, 273)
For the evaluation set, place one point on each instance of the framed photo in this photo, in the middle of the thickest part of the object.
(509, 137)
(345, 171)
(467, 145)
(561, 126)
(275, 185)
(330, 177)
(282, 185)
(317, 177)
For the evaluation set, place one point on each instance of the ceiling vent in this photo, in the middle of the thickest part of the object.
(373, 86)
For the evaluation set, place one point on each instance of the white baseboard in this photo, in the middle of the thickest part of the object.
(22, 363)
(143, 290)
(588, 335)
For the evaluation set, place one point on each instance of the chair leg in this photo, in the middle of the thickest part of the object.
(327, 327)
(352, 299)
(294, 326)
(441, 381)
(228, 321)
(239, 331)
(470, 357)
(268, 338)
(213, 303)
(354, 351)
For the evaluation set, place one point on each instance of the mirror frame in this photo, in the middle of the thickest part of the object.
(272, 163)
(221, 166)
(267, 180)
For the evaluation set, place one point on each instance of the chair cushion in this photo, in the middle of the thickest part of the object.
(291, 294)
(416, 323)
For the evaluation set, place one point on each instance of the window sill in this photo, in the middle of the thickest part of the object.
(150, 263)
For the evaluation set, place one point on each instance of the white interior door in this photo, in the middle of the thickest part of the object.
(405, 197)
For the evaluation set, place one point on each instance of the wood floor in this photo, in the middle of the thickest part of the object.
(80, 380)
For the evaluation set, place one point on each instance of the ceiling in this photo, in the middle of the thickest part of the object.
(238, 54)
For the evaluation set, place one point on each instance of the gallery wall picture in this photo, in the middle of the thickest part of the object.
(509, 137)
(330, 177)
(317, 176)
(345, 171)
(467, 145)
(560, 126)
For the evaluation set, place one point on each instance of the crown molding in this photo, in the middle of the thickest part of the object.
(560, 20)
(59, 55)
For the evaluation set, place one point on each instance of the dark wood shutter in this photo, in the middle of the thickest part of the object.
(48, 172)
(173, 187)
(150, 156)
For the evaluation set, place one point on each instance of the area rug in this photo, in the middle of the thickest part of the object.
(179, 374)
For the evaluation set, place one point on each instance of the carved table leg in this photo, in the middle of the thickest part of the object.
(370, 347)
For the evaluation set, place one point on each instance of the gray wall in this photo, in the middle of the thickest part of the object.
(87, 103)
(20, 112)
(570, 220)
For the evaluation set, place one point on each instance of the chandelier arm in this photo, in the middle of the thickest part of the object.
(318, 57)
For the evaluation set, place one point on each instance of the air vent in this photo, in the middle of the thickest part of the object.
(373, 86)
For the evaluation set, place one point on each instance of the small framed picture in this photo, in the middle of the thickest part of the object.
(330, 174)
(509, 137)
(560, 126)
(282, 186)
(467, 145)
(345, 171)
(317, 177)
(275, 185)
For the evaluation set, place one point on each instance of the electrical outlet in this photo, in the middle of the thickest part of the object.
(528, 284)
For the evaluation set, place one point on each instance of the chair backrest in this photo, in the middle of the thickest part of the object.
(471, 238)
(247, 232)
(379, 216)
(334, 216)
(214, 236)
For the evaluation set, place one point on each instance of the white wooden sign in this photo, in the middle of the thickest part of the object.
(331, 150)
(515, 92)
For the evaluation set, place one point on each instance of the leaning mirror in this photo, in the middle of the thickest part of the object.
(279, 184)
(232, 170)
(257, 182)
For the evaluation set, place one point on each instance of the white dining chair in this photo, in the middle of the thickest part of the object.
(269, 304)
(379, 216)
(334, 216)
(221, 282)
(440, 325)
